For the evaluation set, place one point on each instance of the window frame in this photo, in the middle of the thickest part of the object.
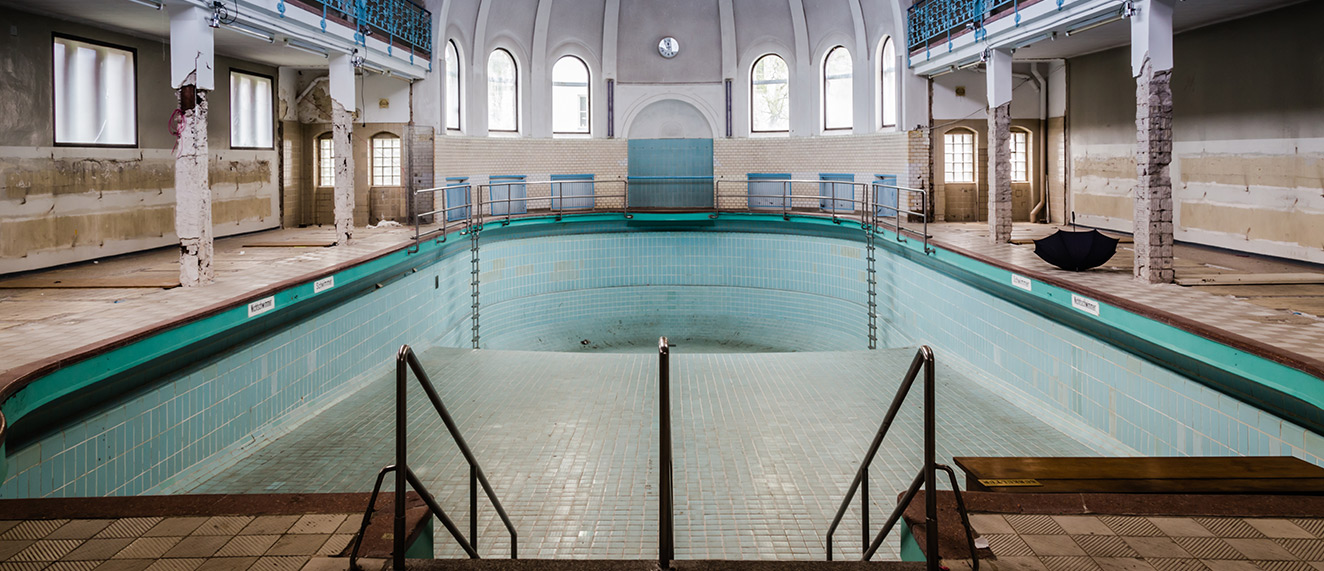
(751, 94)
(329, 138)
(885, 95)
(372, 159)
(823, 90)
(136, 126)
(974, 153)
(1011, 141)
(459, 88)
(588, 91)
(272, 118)
(515, 63)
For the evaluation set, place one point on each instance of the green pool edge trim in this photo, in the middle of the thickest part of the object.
(1271, 375)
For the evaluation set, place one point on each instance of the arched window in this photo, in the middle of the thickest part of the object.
(837, 84)
(502, 92)
(385, 160)
(887, 95)
(958, 154)
(452, 86)
(326, 161)
(769, 95)
(1020, 155)
(570, 102)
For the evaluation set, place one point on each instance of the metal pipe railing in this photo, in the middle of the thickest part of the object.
(666, 548)
(927, 475)
(843, 200)
(406, 361)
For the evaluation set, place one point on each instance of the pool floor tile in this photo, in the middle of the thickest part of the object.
(765, 446)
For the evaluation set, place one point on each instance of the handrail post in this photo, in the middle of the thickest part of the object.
(666, 538)
(401, 380)
(930, 469)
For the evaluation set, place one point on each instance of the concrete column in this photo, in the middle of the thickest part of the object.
(342, 144)
(192, 75)
(1151, 64)
(999, 146)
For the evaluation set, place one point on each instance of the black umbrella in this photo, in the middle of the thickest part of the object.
(1076, 251)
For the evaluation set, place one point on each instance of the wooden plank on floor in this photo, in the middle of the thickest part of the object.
(1284, 474)
(152, 280)
(292, 244)
(1250, 279)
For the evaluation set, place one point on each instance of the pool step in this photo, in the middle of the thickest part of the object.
(640, 565)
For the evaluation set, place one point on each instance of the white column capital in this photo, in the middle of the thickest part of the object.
(1151, 35)
(192, 49)
(999, 77)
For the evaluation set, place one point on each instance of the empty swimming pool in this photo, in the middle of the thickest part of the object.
(775, 392)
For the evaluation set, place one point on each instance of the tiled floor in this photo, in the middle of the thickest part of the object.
(765, 446)
(1133, 543)
(40, 322)
(1293, 331)
(228, 543)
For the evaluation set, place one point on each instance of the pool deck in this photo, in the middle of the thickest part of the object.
(43, 327)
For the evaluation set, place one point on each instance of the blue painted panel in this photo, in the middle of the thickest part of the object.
(829, 190)
(572, 195)
(457, 197)
(766, 192)
(884, 198)
(654, 161)
(503, 193)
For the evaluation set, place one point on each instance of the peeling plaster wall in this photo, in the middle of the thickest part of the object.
(1248, 155)
(67, 204)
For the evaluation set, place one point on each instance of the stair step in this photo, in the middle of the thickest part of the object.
(641, 565)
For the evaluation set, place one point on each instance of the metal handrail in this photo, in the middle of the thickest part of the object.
(405, 360)
(666, 540)
(927, 474)
(859, 204)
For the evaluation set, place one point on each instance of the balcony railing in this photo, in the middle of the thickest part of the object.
(934, 20)
(396, 22)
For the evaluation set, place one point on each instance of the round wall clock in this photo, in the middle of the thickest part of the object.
(668, 47)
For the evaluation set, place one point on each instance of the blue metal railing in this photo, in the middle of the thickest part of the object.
(928, 20)
(396, 21)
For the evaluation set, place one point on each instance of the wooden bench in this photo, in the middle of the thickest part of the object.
(1203, 475)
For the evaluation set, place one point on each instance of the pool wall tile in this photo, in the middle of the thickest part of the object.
(806, 289)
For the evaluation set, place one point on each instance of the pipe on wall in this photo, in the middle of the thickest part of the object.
(1043, 141)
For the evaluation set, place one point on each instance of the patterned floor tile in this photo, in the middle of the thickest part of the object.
(46, 550)
(80, 529)
(1174, 564)
(1305, 549)
(132, 527)
(33, 529)
(1261, 549)
(1315, 526)
(1131, 526)
(1180, 527)
(1034, 524)
(1279, 528)
(1228, 527)
(1284, 566)
(1104, 546)
(1069, 563)
(1208, 548)
(1123, 564)
(1009, 545)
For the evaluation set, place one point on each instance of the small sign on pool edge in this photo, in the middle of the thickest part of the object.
(261, 306)
(1022, 282)
(1085, 304)
(324, 284)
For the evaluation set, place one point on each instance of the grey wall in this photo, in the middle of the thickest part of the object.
(1248, 129)
(70, 203)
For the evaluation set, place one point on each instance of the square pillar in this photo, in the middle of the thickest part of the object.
(341, 80)
(999, 146)
(1151, 64)
(192, 74)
